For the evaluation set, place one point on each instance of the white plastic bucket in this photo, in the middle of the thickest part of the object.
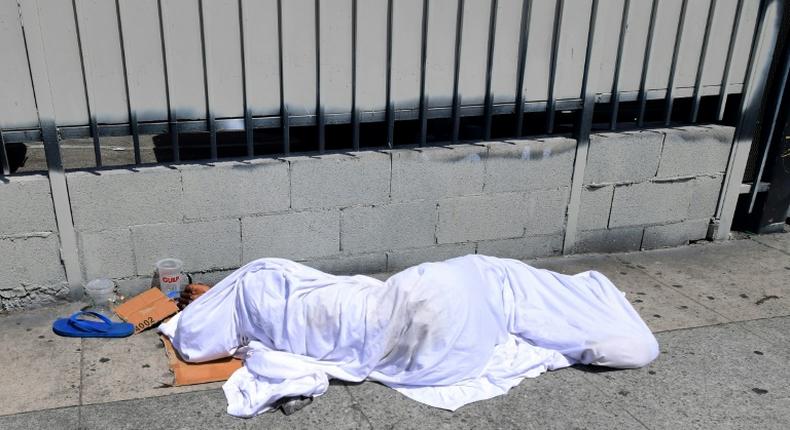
(171, 277)
(101, 292)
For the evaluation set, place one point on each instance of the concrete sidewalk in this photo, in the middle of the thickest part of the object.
(721, 311)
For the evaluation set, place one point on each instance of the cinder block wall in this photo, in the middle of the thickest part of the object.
(364, 212)
(30, 267)
(343, 213)
(653, 188)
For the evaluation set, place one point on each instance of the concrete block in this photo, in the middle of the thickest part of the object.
(107, 254)
(496, 216)
(32, 259)
(705, 192)
(234, 189)
(677, 234)
(350, 264)
(650, 203)
(545, 212)
(439, 172)
(32, 296)
(526, 165)
(338, 180)
(402, 259)
(26, 205)
(522, 248)
(121, 198)
(695, 150)
(615, 240)
(201, 245)
(291, 235)
(501, 216)
(596, 203)
(212, 277)
(623, 157)
(388, 227)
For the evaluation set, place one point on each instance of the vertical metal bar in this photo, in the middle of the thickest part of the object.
(456, 113)
(555, 47)
(354, 110)
(87, 83)
(776, 105)
(591, 65)
(131, 106)
(774, 210)
(701, 65)
(284, 115)
(646, 65)
(390, 108)
(248, 132)
(757, 72)
(523, 42)
(4, 163)
(172, 114)
(489, 98)
(49, 134)
(423, 61)
(618, 64)
(670, 97)
(207, 81)
(725, 79)
(319, 108)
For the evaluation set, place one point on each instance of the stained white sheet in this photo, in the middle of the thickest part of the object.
(444, 334)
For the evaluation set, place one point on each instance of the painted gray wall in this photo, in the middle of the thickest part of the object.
(31, 272)
(101, 43)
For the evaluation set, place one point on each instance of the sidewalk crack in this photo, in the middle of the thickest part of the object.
(82, 382)
(769, 246)
(355, 406)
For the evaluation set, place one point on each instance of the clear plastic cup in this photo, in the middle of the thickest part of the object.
(171, 276)
(102, 294)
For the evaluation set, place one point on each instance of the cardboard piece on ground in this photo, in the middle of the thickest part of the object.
(146, 310)
(198, 373)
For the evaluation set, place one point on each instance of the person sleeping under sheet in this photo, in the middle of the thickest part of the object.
(445, 334)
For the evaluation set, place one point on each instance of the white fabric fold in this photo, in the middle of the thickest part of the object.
(444, 334)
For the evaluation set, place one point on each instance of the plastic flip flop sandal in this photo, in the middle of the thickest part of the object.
(74, 326)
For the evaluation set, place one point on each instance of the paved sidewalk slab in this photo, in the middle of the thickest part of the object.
(562, 398)
(660, 305)
(40, 369)
(206, 410)
(780, 241)
(740, 280)
(712, 377)
(62, 418)
(130, 368)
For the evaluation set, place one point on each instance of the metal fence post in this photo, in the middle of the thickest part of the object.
(489, 98)
(762, 53)
(456, 112)
(172, 114)
(523, 43)
(5, 166)
(87, 81)
(131, 104)
(591, 65)
(208, 75)
(46, 114)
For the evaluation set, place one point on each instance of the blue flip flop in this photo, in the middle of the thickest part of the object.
(74, 326)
